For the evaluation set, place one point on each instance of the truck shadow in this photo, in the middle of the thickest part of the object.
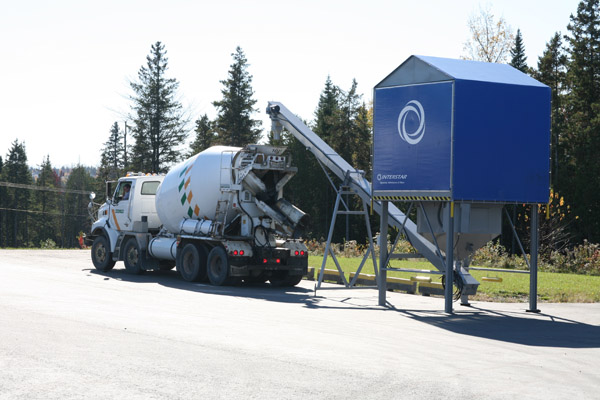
(263, 291)
(536, 330)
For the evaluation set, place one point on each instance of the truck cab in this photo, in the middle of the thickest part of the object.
(134, 198)
(127, 208)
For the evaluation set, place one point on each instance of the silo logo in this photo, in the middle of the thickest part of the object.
(415, 137)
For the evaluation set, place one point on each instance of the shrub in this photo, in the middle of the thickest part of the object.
(48, 244)
(582, 259)
(493, 254)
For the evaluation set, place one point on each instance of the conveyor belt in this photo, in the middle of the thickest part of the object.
(282, 117)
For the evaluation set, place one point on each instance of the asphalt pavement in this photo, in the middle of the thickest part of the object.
(68, 331)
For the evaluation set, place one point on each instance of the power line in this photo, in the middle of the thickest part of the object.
(43, 212)
(43, 188)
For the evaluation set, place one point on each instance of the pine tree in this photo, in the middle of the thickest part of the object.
(551, 70)
(159, 124)
(583, 116)
(327, 111)
(76, 205)
(234, 124)
(517, 53)
(205, 135)
(584, 63)
(343, 122)
(16, 170)
(353, 143)
(113, 154)
(46, 202)
(363, 139)
(344, 140)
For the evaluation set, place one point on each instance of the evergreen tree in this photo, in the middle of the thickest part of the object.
(112, 158)
(205, 135)
(309, 189)
(363, 139)
(112, 161)
(583, 116)
(46, 202)
(159, 124)
(344, 123)
(327, 111)
(326, 125)
(353, 143)
(16, 170)
(234, 124)
(551, 70)
(344, 140)
(77, 219)
(113, 152)
(584, 63)
(517, 53)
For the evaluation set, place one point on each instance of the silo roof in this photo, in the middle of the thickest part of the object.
(425, 69)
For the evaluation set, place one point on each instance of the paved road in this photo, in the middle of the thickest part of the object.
(67, 331)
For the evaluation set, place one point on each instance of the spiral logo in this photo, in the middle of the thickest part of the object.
(416, 136)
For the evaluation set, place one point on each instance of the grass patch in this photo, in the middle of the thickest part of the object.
(552, 287)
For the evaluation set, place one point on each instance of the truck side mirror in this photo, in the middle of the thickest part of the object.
(109, 191)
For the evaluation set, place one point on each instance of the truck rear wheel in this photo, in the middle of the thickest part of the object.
(191, 262)
(101, 254)
(133, 257)
(217, 267)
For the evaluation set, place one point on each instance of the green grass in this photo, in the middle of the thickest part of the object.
(552, 287)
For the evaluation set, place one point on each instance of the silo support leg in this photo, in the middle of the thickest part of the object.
(534, 260)
(383, 228)
(449, 260)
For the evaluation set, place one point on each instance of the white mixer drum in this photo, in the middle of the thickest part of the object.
(192, 189)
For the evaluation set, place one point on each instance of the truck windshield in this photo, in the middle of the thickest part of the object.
(149, 188)
(122, 192)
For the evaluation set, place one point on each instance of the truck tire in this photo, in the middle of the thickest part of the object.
(191, 262)
(101, 254)
(133, 257)
(217, 267)
(284, 279)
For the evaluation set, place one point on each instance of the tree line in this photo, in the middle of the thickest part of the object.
(44, 213)
(158, 129)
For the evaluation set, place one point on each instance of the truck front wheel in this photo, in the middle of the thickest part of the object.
(101, 254)
(133, 257)
(218, 267)
(191, 262)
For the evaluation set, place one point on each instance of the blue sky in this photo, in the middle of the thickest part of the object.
(66, 64)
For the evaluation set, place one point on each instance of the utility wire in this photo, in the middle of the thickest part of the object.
(43, 212)
(44, 188)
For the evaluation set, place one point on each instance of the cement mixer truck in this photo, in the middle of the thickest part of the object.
(219, 216)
